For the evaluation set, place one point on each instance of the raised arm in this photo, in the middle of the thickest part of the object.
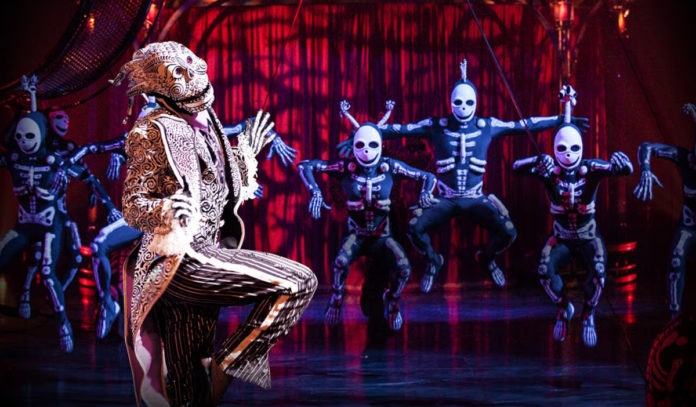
(619, 164)
(286, 153)
(115, 146)
(393, 131)
(678, 155)
(110, 146)
(541, 166)
(82, 173)
(306, 169)
(505, 128)
(426, 198)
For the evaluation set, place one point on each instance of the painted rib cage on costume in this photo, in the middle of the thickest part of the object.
(367, 181)
(39, 182)
(180, 273)
(461, 142)
(684, 240)
(571, 186)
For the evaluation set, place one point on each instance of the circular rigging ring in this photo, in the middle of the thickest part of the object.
(96, 38)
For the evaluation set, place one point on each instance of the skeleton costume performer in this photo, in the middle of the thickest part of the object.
(115, 235)
(461, 143)
(64, 148)
(39, 182)
(571, 184)
(367, 180)
(56, 144)
(183, 186)
(685, 236)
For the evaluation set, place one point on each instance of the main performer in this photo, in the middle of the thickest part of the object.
(184, 184)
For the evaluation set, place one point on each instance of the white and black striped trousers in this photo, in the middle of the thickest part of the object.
(211, 277)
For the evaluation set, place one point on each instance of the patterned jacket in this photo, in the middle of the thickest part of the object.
(163, 157)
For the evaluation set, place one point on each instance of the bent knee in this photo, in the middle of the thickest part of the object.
(341, 261)
(306, 281)
(415, 227)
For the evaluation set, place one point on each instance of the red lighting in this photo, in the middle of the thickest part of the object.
(151, 14)
(622, 21)
(85, 250)
(562, 12)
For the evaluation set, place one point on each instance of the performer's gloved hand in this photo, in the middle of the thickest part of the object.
(316, 203)
(582, 123)
(113, 171)
(286, 153)
(114, 215)
(185, 212)
(60, 180)
(258, 129)
(426, 199)
(644, 189)
(690, 109)
(345, 148)
(545, 165)
(621, 163)
(259, 192)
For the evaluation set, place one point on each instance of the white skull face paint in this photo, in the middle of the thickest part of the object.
(59, 122)
(28, 136)
(567, 147)
(367, 146)
(463, 101)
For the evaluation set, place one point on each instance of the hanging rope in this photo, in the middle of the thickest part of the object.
(282, 56)
(502, 76)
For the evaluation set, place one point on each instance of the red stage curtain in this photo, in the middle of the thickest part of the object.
(368, 53)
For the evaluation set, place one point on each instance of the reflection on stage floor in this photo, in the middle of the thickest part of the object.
(464, 347)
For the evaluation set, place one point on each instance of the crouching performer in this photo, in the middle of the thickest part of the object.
(571, 184)
(367, 181)
(183, 187)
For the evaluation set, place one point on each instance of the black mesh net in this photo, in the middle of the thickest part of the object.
(99, 33)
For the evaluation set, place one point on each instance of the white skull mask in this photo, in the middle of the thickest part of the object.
(567, 146)
(463, 101)
(28, 136)
(367, 146)
(59, 122)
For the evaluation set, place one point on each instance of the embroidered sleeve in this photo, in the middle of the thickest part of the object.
(149, 181)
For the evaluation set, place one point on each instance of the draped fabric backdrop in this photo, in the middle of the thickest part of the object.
(369, 53)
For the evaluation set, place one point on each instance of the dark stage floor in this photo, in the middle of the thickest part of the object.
(475, 347)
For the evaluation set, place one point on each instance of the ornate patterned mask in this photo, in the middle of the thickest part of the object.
(169, 70)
